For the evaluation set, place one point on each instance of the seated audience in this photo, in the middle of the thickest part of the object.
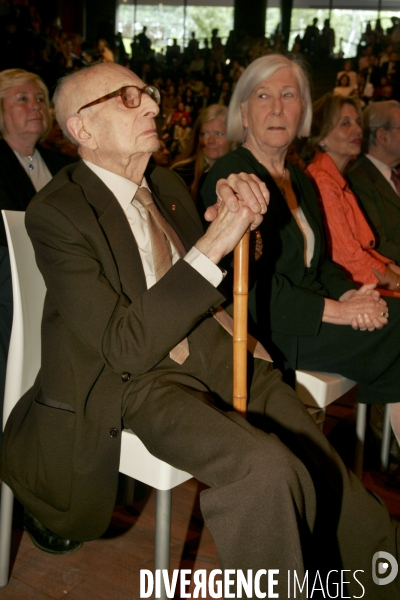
(140, 349)
(344, 87)
(169, 104)
(374, 179)
(181, 135)
(207, 143)
(307, 311)
(348, 70)
(162, 156)
(391, 67)
(103, 51)
(178, 113)
(24, 121)
(335, 139)
(372, 77)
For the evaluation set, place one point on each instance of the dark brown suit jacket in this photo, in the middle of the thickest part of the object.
(380, 203)
(101, 330)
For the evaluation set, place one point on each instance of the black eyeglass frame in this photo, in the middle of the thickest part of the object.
(119, 92)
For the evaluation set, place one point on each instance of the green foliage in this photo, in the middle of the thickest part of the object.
(349, 25)
(166, 22)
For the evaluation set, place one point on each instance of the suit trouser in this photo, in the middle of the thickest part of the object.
(279, 496)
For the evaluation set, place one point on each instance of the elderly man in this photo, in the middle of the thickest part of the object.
(374, 178)
(130, 341)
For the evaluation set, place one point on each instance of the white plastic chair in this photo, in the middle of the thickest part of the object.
(22, 367)
(318, 390)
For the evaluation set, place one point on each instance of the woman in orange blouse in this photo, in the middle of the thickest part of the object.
(336, 137)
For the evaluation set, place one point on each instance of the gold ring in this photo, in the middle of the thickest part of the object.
(383, 314)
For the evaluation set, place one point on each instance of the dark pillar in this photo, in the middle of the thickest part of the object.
(286, 16)
(99, 19)
(69, 13)
(72, 16)
(250, 17)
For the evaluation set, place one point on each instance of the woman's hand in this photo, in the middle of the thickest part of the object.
(391, 278)
(363, 309)
(246, 187)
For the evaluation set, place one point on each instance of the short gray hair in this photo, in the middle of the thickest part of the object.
(259, 70)
(375, 116)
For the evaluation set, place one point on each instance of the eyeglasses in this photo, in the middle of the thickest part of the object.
(131, 96)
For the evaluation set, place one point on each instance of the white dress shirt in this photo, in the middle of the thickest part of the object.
(124, 190)
(384, 169)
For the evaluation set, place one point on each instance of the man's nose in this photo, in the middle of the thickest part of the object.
(150, 105)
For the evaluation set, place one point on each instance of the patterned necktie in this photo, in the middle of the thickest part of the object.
(162, 235)
(396, 180)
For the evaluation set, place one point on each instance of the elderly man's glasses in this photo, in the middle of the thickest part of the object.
(131, 96)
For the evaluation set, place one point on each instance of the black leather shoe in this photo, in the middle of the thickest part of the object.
(45, 539)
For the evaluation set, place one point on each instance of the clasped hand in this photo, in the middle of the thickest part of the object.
(364, 308)
(245, 187)
(242, 202)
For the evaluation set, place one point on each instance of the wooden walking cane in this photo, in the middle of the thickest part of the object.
(240, 309)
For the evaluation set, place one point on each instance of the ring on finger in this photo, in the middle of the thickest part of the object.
(383, 314)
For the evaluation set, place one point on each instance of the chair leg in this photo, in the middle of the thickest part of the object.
(6, 512)
(361, 425)
(163, 533)
(129, 490)
(386, 438)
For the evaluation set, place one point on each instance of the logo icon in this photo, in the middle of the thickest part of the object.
(381, 561)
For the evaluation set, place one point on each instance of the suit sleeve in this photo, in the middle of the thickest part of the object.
(370, 203)
(127, 336)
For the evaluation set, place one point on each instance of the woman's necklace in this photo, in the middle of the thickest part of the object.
(30, 166)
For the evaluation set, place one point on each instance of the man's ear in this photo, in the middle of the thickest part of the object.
(76, 129)
(381, 136)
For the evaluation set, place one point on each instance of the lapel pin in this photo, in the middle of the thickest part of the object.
(173, 207)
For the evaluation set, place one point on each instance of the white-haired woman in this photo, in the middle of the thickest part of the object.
(207, 143)
(306, 310)
(24, 122)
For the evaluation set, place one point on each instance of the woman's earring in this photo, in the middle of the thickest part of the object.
(323, 147)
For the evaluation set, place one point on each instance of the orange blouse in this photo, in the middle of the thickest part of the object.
(350, 238)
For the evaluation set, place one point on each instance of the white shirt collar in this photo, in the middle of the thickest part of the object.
(382, 167)
(122, 188)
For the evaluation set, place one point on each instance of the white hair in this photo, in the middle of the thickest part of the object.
(260, 70)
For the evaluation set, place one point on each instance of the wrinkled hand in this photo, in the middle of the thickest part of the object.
(364, 308)
(226, 230)
(245, 187)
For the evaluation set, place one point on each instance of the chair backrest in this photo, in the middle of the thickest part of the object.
(29, 290)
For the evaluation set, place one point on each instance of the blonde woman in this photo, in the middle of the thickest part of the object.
(24, 122)
(207, 143)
